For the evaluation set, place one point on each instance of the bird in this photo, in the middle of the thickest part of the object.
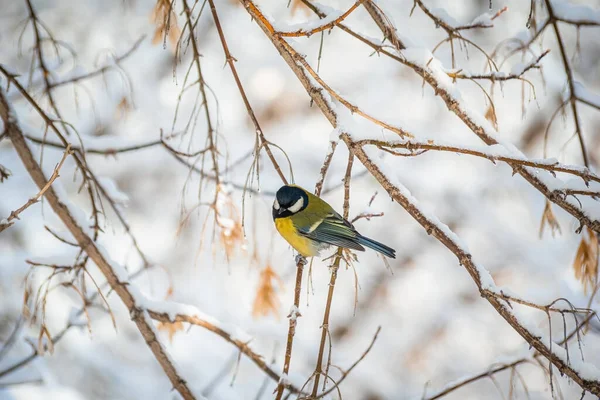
(310, 225)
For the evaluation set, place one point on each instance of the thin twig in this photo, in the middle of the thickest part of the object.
(550, 165)
(570, 81)
(15, 214)
(333, 271)
(442, 233)
(99, 71)
(293, 320)
(230, 61)
(138, 315)
(483, 132)
(329, 25)
(347, 372)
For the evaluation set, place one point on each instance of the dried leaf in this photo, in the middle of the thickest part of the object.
(171, 328)
(549, 217)
(490, 115)
(299, 5)
(123, 108)
(26, 309)
(266, 301)
(165, 19)
(227, 218)
(47, 344)
(585, 264)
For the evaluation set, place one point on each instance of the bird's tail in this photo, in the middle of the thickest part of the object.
(380, 247)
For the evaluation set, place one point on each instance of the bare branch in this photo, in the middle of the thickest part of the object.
(15, 214)
(99, 71)
(430, 224)
(293, 318)
(230, 61)
(333, 277)
(329, 25)
(138, 314)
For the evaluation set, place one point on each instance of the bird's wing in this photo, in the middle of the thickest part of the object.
(334, 230)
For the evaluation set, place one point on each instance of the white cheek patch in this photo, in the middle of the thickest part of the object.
(297, 206)
(276, 205)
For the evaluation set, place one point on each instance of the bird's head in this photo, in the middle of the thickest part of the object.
(289, 200)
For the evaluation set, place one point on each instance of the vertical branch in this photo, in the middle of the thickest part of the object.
(479, 129)
(332, 280)
(114, 276)
(202, 84)
(325, 167)
(40, 56)
(230, 59)
(293, 317)
(570, 81)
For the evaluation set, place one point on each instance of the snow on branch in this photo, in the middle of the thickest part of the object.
(310, 28)
(575, 14)
(583, 374)
(115, 275)
(420, 61)
(493, 153)
(442, 19)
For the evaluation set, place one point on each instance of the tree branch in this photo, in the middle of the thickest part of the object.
(117, 281)
(431, 225)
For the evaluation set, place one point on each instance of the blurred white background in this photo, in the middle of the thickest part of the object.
(435, 328)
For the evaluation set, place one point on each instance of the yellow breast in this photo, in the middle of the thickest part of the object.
(304, 246)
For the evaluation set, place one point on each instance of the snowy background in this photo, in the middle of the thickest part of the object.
(435, 328)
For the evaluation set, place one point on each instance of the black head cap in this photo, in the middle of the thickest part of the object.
(289, 200)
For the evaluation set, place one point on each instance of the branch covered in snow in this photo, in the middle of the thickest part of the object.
(584, 375)
(116, 277)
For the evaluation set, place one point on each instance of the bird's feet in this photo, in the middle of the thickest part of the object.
(300, 260)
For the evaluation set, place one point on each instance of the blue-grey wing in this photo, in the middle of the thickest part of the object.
(336, 231)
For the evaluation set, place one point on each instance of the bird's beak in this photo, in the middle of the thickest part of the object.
(276, 212)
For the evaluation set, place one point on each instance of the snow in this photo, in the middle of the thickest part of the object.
(374, 155)
(430, 311)
(484, 19)
(294, 313)
(110, 186)
(334, 137)
(575, 13)
(584, 94)
(308, 26)
(443, 15)
(120, 272)
(150, 323)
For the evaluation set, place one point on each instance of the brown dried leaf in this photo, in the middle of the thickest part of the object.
(26, 309)
(171, 328)
(490, 115)
(298, 5)
(585, 264)
(49, 345)
(266, 301)
(165, 19)
(549, 217)
(123, 108)
(229, 223)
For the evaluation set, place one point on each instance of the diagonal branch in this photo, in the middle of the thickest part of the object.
(328, 25)
(546, 164)
(570, 81)
(333, 271)
(430, 223)
(101, 70)
(115, 277)
(15, 214)
(230, 61)
(478, 125)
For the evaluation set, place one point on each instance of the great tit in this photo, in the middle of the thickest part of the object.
(310, 225)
